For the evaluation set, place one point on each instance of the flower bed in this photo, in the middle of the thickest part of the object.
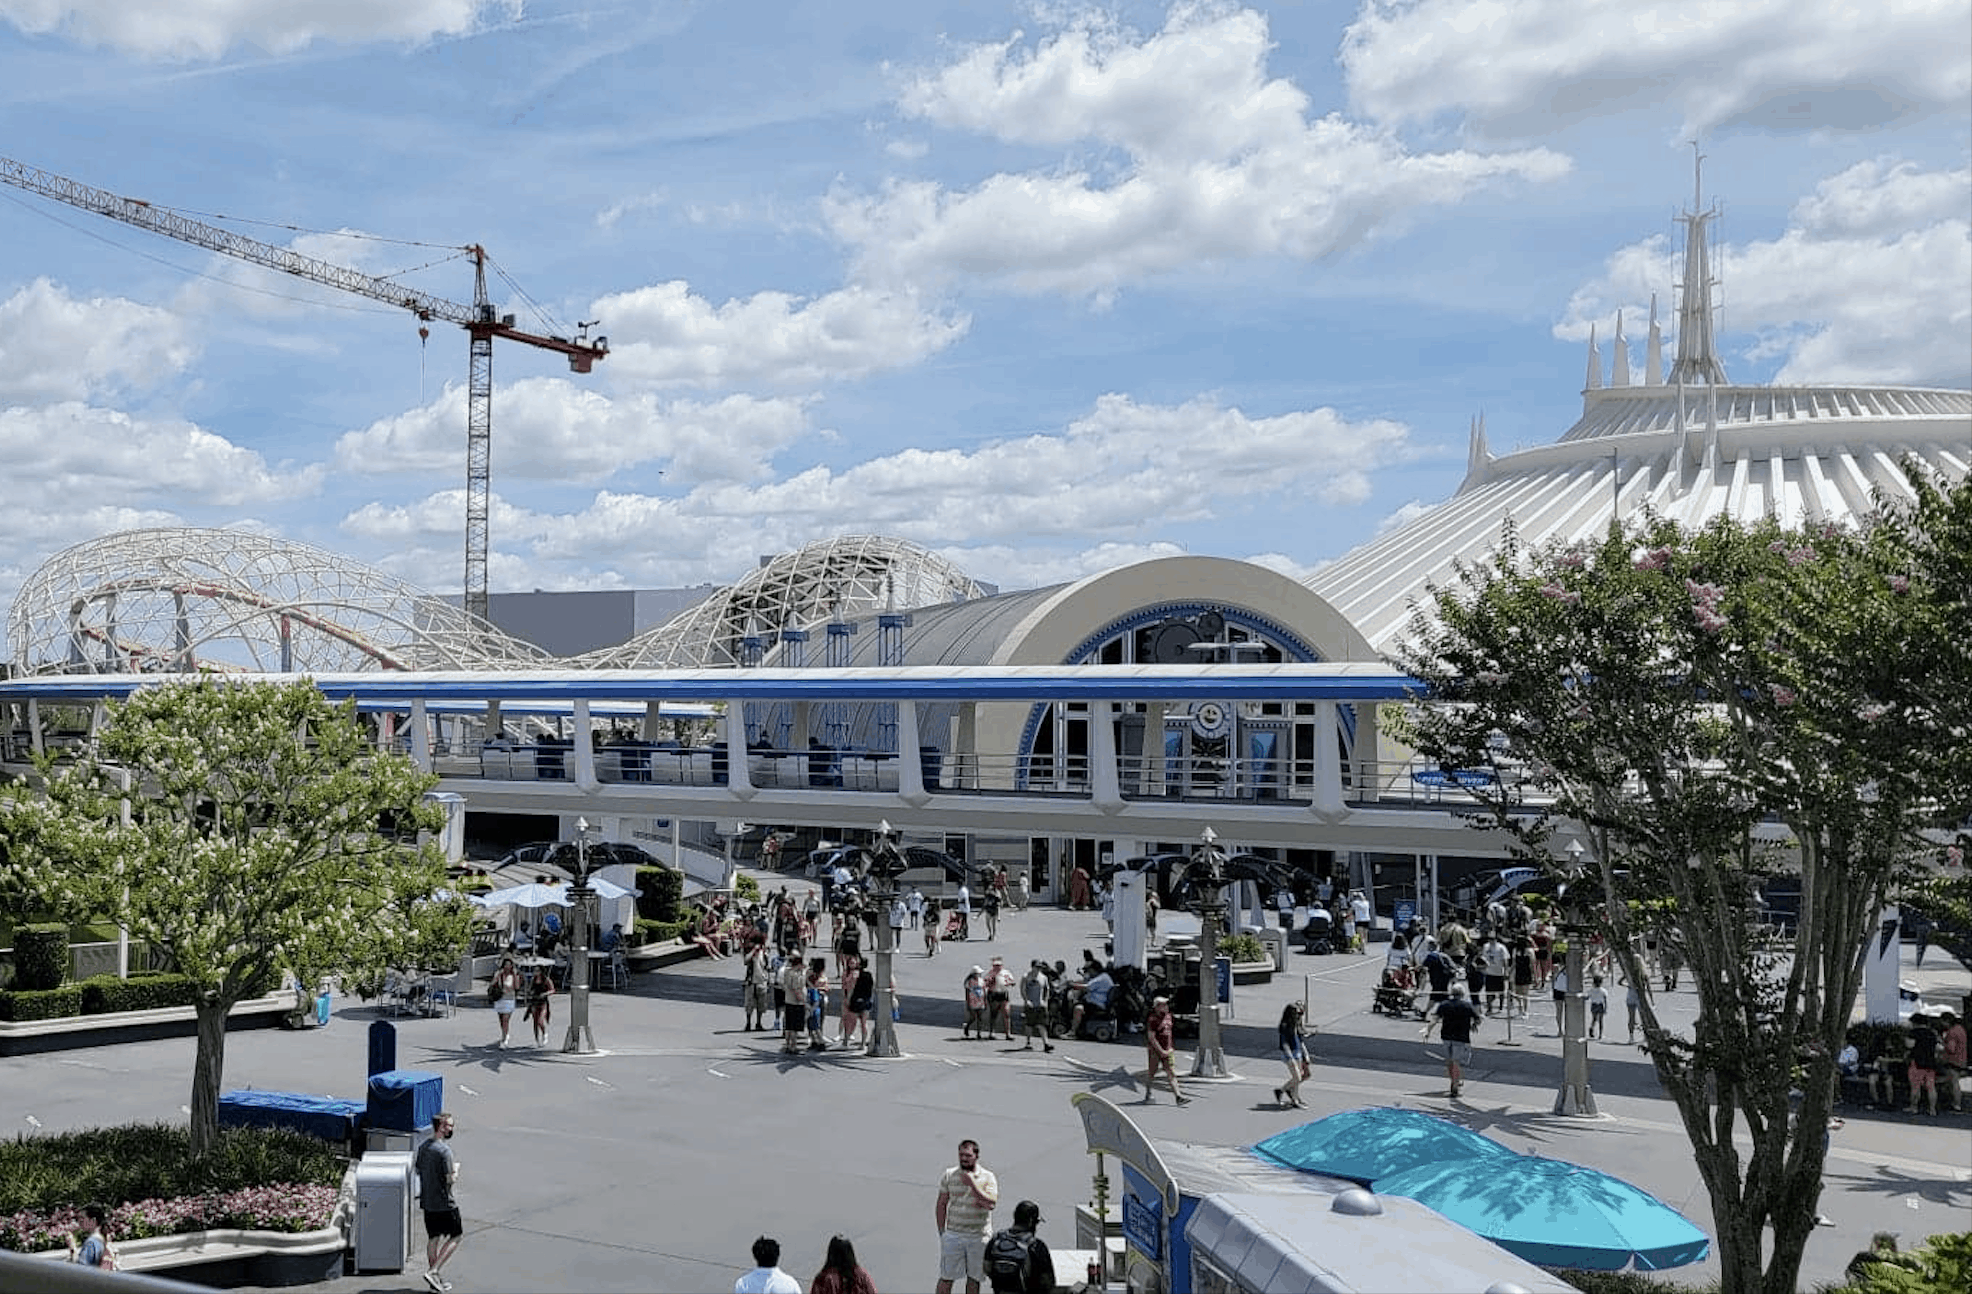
(285, 1207)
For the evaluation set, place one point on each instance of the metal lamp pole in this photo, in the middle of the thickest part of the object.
(1210, 1061)
(886, 864)
(1575, 1096)
(579, 1041)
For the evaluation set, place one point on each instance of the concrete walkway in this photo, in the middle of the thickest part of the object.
(654, 1165)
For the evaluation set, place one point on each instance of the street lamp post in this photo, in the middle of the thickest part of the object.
(1576, 1096)
(1210, 1061)
(885, 865)
(579, 1040)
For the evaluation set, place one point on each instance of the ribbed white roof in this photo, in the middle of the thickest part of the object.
(1803, 454)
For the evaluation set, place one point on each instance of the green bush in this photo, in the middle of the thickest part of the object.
(106, 993)
(153, 1161)
(657, 932)
(662, 894)
(22, 1005)
(1942, 1265)
(41, 956)
(1244, 948)
(746, 889)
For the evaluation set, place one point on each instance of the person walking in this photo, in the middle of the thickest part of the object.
(794, 1009)
(437, 1171)
(1455, 1018)
(1361, 917)
(999, 999)
(766, 1276)
(1294, 1051)
(756, 988)
(931, 927)
(859, 999)
(914, 906)
(94, 1251)
(974, 990)
(1598, 999)
(1158, 1036)
(1633, 1002)
(815, 988)
(1951, 1056)
(1034, 986)
(989, 905)
(967, 1196)
(507, 986)
(1017, 1259)
(841, 1273)
(540, 998)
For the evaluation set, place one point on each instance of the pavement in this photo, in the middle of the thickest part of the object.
(653, 1166)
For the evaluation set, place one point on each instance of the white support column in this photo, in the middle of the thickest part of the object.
(1328, 801)
(420, 735)
(34, 727)
(653, 722)
(739, 775)
(1105, 789)
(910, 763)
(585, 747)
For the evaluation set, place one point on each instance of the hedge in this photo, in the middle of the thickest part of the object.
(103, 993)
(657, 932)
(41, 957)
(662, 893)
(20, 1005)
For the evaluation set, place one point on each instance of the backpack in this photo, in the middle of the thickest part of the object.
(1006, 1258)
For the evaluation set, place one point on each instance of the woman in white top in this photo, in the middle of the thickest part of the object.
(1397, 961)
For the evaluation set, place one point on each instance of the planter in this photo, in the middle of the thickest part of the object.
(228, 1257)
(1253, 972)
(19, 1038)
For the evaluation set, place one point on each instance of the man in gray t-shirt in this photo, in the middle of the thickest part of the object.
(437, 1170)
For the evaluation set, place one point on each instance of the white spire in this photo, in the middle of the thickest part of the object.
(1619, 374)
(1594, 381)
(1477, 457)
(1653, 358)
(1697, 360)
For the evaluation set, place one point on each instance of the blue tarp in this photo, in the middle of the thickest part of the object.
(319, 1116)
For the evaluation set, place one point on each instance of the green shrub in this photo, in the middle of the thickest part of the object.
(746, 889)
(41, 958)
(657, 932)
(662, 894)
(1244, 948)
(23, 1004)
(153, 1162)
(106, 993)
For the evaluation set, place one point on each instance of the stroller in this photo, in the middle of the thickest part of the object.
(1318, 936)
(1395, 994)
(955, 926)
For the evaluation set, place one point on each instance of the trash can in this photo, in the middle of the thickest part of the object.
(384, 1192)
(405, 1100)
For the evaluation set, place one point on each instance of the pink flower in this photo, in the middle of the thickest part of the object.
(1873, 711)
(1955, 855)
(1560, 594)
(1800, 556)
(1654, 559)
(1490, 678)
(1900, 584)
(1782, 695)
(1574, 561)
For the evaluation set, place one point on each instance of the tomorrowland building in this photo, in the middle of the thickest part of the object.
(1680, 439)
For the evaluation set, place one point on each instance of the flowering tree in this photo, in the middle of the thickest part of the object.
(242, 828)
(1709, 709)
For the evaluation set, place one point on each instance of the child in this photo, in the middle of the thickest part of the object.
(94, 1250)
(1598, 1005)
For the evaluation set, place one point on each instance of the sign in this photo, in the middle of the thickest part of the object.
(1400, 916)
(1222, 977)
(1143, 1227)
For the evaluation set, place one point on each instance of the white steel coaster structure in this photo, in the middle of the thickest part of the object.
(181, 599)
(829, 581)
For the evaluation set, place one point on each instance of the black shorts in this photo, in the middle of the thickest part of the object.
(443, 1222)
(794, 1017)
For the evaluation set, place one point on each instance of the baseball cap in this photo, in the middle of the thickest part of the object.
(1159, 998)
(978, 970)
(998, 960)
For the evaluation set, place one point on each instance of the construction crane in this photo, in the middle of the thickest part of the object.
(478, 319)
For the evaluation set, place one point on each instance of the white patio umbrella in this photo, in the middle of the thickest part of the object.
(531, 895)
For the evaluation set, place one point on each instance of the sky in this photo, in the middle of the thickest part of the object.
(1045, 288)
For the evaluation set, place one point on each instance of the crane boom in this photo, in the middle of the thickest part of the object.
(478, 319)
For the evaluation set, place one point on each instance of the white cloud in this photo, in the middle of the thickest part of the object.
(1871, 282)
(549, 429)
(664, 335)
(207, 29)
(1522, 68)
(1036, 509)
(113, 460)
(56, 347)
(1404, 515)
(1199, 157)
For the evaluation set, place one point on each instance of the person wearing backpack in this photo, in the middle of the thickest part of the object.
(1017, 1259)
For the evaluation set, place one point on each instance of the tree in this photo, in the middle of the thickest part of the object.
(242, 828)
(1711, 708)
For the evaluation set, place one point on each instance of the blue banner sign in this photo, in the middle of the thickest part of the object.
(1143, 1227)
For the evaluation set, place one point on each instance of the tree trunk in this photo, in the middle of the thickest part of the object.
(208, 1069)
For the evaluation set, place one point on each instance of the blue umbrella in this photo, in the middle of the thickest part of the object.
(1554, 1213)
(1364, 1145)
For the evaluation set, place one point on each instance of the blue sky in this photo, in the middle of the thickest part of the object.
(1045, 288)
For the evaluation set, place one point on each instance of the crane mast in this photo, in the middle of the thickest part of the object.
(482, 325)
